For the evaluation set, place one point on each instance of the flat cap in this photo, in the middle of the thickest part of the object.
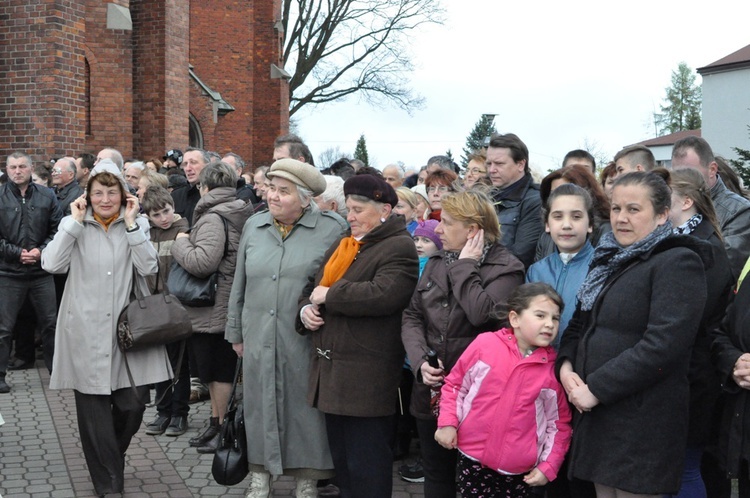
(299, 173)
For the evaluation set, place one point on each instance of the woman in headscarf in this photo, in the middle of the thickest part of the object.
(104, 246)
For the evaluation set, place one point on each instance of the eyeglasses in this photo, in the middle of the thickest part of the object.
(56, 171)
(477, 171)
(442, 190)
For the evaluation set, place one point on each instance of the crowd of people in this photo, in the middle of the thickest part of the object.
(578, 334)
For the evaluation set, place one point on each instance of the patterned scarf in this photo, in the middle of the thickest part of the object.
(451, 257)
(610, 256)
(690, 225)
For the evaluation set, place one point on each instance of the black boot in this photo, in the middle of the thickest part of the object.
(211, 445)
(211, 431)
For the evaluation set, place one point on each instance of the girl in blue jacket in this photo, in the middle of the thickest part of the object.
(569, 219)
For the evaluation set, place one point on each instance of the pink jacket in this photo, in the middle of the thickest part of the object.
(511, 412)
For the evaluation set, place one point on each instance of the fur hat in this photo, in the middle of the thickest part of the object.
(426, 228)
(299, 173)
(372, 187)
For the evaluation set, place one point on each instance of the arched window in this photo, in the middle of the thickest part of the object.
(195, 134)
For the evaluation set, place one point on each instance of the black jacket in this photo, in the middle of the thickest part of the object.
(185, 199)
(26, 222)
(519, 210)
(633, 351)
(245, 192)
(67, 194)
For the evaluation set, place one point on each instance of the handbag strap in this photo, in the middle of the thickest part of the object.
(175, 379)
(237, 373)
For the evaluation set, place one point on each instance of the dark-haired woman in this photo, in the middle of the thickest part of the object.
(624, 358)
(692, 213)
(100, 245)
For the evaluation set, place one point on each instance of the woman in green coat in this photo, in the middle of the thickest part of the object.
(280, 250)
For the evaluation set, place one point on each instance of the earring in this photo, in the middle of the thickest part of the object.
(382, 220)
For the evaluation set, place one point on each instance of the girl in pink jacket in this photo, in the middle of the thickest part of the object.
(502, 406)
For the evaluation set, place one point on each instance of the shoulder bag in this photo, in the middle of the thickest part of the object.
(194, 291)
(230, 464)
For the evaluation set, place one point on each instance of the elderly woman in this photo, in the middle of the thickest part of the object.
(458, 292)
(624, 358)
(99, 245)
(217, 224)
(354, 318)
(280, 251)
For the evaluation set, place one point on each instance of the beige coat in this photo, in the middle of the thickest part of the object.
(100, 277)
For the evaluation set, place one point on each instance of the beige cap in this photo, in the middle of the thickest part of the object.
(300, 173)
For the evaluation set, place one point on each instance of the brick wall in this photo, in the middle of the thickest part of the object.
(42, 106)
(232, 43)
(71, 85)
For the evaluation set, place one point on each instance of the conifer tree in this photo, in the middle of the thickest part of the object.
(360, 152)
(484, 128)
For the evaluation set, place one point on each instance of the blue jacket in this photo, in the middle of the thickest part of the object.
(566, 279)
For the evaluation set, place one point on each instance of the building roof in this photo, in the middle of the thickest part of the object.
(736, 60)
(670, 139)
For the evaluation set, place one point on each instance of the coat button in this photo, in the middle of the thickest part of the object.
(273, 277)
(444, 304)
(429, 284)
(109, 273)
(272, 312)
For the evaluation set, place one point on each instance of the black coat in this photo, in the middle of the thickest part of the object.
(519, 211)
(732, 340)
(704, 383)
(633, 351)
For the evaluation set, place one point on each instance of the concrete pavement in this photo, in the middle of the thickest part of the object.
(41, 456)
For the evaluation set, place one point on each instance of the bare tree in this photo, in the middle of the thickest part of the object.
(330, 156)
(336, 48)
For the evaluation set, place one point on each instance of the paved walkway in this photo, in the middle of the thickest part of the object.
(41, 456)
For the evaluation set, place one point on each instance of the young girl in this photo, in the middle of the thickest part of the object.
(502, 406)
(427, 241)
(569, 218)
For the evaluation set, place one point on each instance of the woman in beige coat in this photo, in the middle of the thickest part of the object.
(99, 245)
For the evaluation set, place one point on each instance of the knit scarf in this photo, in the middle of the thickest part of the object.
(690, 225)
(106, 222)
(451, 257)
(340, 261)
(610, 256)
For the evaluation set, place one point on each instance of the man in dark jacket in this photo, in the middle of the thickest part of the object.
(244, 191)
(29, 215)
(185, 199)
(64, 180)
(515, 195)
(732, 210)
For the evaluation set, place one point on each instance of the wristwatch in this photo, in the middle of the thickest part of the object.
(132, 228)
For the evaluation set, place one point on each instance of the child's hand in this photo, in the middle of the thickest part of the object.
(535, 478)
(446, 437)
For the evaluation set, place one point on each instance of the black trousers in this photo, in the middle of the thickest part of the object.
(361, 455)
(438, 463)
(106, 424)
(176, 400)
(24, 333)
(41, 292)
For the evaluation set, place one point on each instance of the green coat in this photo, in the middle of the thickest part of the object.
(283, 431)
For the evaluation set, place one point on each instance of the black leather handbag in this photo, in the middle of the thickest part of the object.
(193, 291)
(230, 465)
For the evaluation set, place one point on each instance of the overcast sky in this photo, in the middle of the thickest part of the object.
(561, 75)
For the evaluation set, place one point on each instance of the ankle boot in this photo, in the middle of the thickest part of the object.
(211, 445)
(260, 485)
(211, 431)
(306, 488)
